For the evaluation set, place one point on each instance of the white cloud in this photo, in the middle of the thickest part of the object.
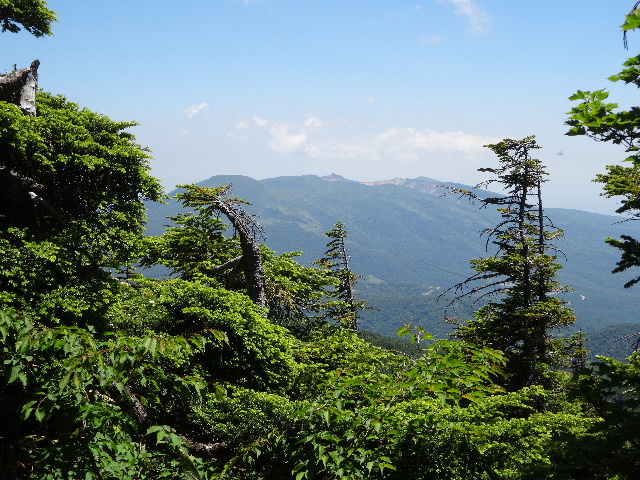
(195, 109)
(400, 144)
(371, 99)
(282, 141)
(343, 148)
(408, 142)
(234, 136)
(286, 137)
(259, 122)
(394, 144)
(478, 19)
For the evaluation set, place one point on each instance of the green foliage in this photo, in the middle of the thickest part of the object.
(257, 353)
(332, 350)
(630, 256)
(295, 293)
(440, 416)
(58, 235)
(505, 436)
(78, 402)
(32, 15)
(377, 431)
(570, 353)
(595, 118)
(202, 198)
(197, 249)
(611, 388)
(46, 280)
(55, 156)
(243, 415)
(195, 246)
(631, 21)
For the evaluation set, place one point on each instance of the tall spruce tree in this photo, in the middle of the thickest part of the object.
(520, 279)
(346, 307)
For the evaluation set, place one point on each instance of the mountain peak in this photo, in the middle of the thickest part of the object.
(334, 177)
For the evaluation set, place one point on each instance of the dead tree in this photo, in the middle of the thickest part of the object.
(215, 199)
(246, 227)
(21, 193)
(19, 87)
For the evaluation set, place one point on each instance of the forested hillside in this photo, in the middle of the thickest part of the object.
(248, 364)
(412, 239)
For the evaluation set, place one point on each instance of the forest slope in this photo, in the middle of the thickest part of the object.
(410, 241)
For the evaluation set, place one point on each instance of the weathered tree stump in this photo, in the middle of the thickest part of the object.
(19, 87)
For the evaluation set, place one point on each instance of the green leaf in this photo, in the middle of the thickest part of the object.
(15, 371)
(40, 413)
(325, 415)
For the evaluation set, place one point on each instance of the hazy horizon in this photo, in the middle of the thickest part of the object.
(368, 90)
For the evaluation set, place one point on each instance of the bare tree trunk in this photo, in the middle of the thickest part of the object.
(19, 87)
(213, 199)
(251, 252)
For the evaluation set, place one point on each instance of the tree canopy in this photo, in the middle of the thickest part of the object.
(32, 15)
(345, 306)
(72, 206)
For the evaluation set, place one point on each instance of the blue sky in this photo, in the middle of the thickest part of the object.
(368, 89)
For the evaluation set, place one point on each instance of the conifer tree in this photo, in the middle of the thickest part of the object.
(346, 307)
(520, 278)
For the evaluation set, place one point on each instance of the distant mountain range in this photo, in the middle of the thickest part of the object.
(411, 240)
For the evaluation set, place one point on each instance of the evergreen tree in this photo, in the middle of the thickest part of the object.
(346, 307)
(74, 183)
(195, 246)
(520, 278)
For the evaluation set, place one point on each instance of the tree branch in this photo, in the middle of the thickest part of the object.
(144, 419)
